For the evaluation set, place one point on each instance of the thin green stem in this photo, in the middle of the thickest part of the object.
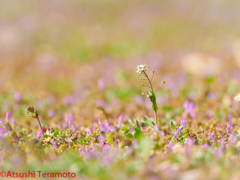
(150, 83)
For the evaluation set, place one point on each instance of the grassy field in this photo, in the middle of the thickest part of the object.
(71, 100)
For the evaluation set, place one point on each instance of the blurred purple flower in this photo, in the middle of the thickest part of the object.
(120, 118)
(40, 133)
(68, 100)
(100, 103)
(94, 125)
(231, 138)
(73, 129)
(107, 124)
(101, 84)
(189, 142)
(162, 133)
(156, 127)
(183, 121)
(7, 115)
(229, 127)
(13, 122)
(106, 147)
(190, 108)
(210, 136)
(89, 132)
(101, 141)
(134, 142)
(2, 132)
(111, 128)
(102, 128)
(222, 142)
(1, 121)
(50, 113)
(138, 100)
(99, 121)
(206, 145)
(230, 117)
(178, 130)
(175, 136)
(54, 144)
(170, 146)
(65, 125)
(17, 96)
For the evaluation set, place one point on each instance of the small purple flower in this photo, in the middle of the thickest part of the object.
(230, 117)
(89, 132)
(7, 115)
(111, 128)
(50, 113)
(73, 129)
(107, 124)
(120, 118)
(106, 147)
(99, 121)
(138, 99)
(156, 127)
(162, 133)
(190, 108)
(65, 125)
(1, 121)
(134, 142)
(190, 142)
(17, 96)
(70, 122)
(231, 138)
(220, 151)
(222, 142)
(100, 103)
(54, 144)
(183, 121)
(206, 145)
(229, 127)
(175, 136)
(102, 128)
(40, 133)
(101, 141)
(13, 122)
(94, 125)
(101, 84)
(210, 136)
(178, 131)
(2, 132)
(170, 146)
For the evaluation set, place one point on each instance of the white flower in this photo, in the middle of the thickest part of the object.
(141, 68)
(237, 98)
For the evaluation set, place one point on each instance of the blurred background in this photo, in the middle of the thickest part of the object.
(58, 50)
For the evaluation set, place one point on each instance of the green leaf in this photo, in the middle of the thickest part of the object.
(172, 125)
(129, 135)
(138, 125)
(167, 108)
(109, 137)
(210, 79)
(152, 98)
(138, 134)
(148, 122)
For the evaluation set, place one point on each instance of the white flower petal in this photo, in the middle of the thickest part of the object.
(237, 98)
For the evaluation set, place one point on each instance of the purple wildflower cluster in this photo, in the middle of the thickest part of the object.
(183, 122)
(190, 108)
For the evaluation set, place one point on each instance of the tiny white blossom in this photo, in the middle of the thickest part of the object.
(141, 68)
(237, 98)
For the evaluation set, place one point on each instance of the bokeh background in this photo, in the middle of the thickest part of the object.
(54, 52)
